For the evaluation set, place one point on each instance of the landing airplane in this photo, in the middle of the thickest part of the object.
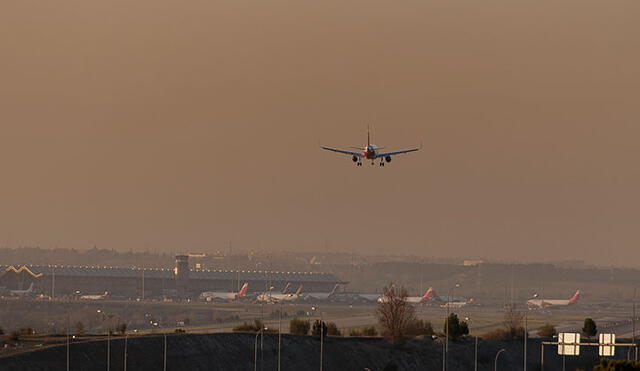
(370, 152)
(545, 303)
(26, 292)
(225, 296)
(95, 297)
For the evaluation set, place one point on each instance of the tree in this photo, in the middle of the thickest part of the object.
(394, 314)
(332, 329)
(513, 322)
(122, 328)
(315, 331)
(79, 328)
(299, 326)
(547, 331)
(456, 327)
(421, 328)
(589, 329)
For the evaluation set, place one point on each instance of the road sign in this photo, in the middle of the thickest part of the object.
(568, 344)
(606, 345)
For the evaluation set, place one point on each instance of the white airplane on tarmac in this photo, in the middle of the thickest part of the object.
(546, 303)
(276, 298)
(26, 292)
(320, 295)
(414, 299)
(224, 296)
(95, 297)
(370, 152)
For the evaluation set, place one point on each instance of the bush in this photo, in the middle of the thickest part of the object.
(369, 331)
(615, 365)
(366, 331)
(589, 329)
(122, 328)
(252, 327)
(299, 326)
(1, 331)
(317, 327)
(547, 331)
(180, 331)
(79, 328)
(456, 327)
(421, 328)
(332, 329)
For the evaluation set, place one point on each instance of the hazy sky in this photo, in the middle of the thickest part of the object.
(179, 126)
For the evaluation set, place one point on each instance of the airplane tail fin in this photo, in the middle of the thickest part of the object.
(286, 288)
(334, 289)
(106, 293)
(575, 297)
(243, 290)
(30, 289)
(428, 294)
(299, 291)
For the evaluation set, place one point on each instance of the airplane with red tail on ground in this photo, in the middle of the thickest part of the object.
(95, 297)
(370, 152)
(546, 303)
(414, 299)
(225, 296)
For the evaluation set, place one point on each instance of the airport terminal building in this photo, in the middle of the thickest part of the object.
(182, 281)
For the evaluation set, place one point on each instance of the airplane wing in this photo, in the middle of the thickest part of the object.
(358, 154)
(378, 155)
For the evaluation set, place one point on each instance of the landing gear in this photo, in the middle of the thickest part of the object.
(358, 163)
(381, 163)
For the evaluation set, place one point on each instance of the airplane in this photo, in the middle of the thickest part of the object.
(224, 296)
(274, 298)
(414, 299)
(370, 152)
(270, 296)
(320, 295)
(95, 297)
(458, 304)
(545, 303)
(26, 292)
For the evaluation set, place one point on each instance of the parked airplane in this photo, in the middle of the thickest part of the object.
(26, 292)
(320, 295)
(370, 152)
(433, 297)
(414, 299)
(224, 296)
(95, 297)
(545, 303)
(459, 304)
(269, 297)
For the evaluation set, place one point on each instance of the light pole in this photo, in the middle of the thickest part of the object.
(495, 363)
(314, 309)
(108, 338)
(633, 321)
(126, 337)
(164, 354)
(280, 334)
(475, 353)
(446, 325)
(255, 353)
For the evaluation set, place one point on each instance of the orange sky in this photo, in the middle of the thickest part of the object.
(178, 126)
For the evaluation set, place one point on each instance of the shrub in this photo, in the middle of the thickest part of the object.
(251, 327)
(332, 329)
(317, 327)
(456, 327)
(547, 331)
(614, 365)
(589, 329)
(369, 331)
(421, 328)
(355, 332)
(180, 331)
(299, 326)
(79, 328)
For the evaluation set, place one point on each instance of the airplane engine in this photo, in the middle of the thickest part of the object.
(388, 158)
(355, 159)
